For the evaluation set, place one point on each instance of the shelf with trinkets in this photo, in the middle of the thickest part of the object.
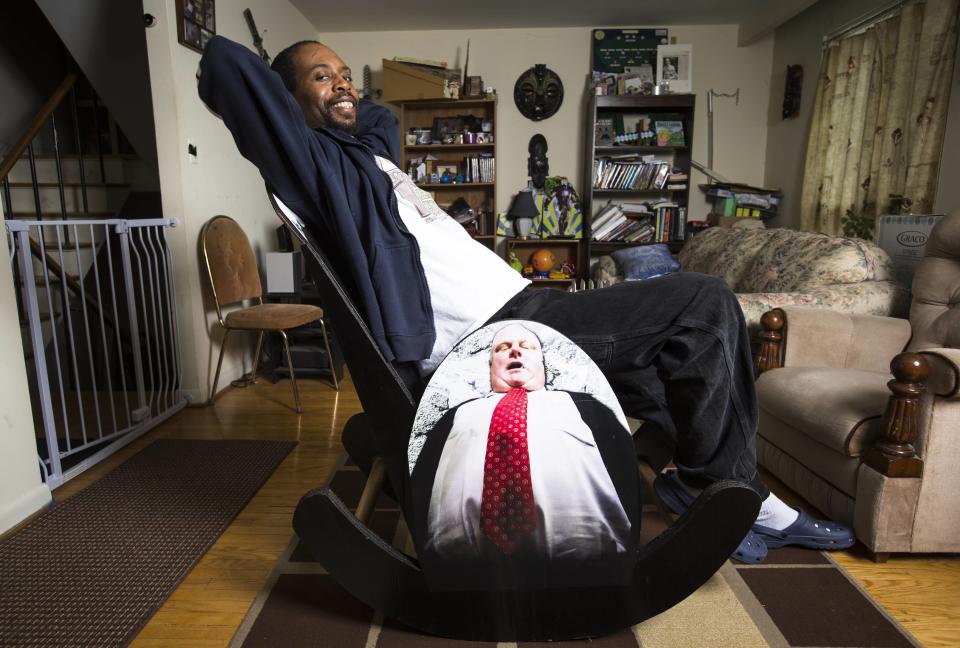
(448, 146)
(547, 262)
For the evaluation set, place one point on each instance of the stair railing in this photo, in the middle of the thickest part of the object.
(66, 90)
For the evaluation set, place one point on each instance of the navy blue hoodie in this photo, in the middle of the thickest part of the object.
(331, 180)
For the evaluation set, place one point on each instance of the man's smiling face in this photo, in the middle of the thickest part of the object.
(516, 360)
(325, 89)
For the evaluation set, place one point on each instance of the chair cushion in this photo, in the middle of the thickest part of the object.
(838, 408)
(273, 317)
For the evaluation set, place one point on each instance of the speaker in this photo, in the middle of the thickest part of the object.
(283, 273)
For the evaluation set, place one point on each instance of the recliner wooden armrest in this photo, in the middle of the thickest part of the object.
(825, 338)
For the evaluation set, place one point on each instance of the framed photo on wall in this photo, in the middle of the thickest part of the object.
(196, 23)
(675, 66)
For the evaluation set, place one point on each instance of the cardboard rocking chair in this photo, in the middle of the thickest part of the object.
(617, 584)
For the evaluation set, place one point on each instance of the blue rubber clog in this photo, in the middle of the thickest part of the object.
(808, 532)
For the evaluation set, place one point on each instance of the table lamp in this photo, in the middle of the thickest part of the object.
(522, 211)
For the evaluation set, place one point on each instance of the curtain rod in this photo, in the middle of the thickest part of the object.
(886, 10)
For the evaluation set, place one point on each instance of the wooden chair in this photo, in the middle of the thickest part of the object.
(235, 278)
(667, 570)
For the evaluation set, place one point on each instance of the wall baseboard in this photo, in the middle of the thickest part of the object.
(24, 506)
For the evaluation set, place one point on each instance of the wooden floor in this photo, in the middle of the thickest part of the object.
(921, 592)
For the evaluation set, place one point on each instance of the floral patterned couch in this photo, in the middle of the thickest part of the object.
(768, 268)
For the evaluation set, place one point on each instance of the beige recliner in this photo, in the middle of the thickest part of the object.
(879, 454)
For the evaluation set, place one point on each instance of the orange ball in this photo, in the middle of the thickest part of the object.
(543, 260)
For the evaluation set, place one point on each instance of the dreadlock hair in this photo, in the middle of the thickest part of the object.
(284, 63)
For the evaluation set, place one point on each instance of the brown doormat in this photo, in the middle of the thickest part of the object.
(93, 569)
(795, 598)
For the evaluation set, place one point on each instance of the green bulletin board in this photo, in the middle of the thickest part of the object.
(616, 49)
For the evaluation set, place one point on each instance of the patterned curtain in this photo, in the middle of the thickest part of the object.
(879, 117)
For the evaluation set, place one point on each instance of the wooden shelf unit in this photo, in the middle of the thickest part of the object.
(564, 249)
(632, 108)
(481, 196)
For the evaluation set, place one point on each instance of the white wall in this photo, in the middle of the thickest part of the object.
(800, 41)
(22, 492)
(30, 68)
(501, 55)
(105, 38)
(220, 182)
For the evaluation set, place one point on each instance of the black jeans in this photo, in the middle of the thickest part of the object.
(676, 352)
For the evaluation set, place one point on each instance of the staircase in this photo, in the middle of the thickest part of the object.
(95, 295)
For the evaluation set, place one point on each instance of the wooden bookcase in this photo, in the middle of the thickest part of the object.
(631, 108)
(481, 196)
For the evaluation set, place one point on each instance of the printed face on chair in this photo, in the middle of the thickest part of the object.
(516, 360)
(522, 468)
(325, 89)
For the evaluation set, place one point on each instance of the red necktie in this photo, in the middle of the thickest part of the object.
(507, 510)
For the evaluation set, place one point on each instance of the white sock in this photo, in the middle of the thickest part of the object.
(775, 513)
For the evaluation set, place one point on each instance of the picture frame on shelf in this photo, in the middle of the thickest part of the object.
(449, 167)
(474, 87)
(675, 67)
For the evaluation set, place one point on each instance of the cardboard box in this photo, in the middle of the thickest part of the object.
(904, 238)
(404, 81)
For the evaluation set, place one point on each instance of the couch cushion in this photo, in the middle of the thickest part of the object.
(793, 261)
(723, 252)
(865, 298)
(838, 408)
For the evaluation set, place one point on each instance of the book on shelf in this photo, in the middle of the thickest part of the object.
(635, 208)
(618, 219)
(478, 168)
(646, 222)
(643, 234)
(669, 132)
(644, 173)
(608, 212)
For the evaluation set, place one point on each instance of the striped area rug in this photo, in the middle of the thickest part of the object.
(94, 568)
(795, 598)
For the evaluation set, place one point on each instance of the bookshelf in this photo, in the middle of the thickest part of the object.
(481, 196)
(636, 172)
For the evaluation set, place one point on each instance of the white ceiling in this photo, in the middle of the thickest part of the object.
(755, 17)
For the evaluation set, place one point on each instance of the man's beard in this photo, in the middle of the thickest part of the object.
(333, 120)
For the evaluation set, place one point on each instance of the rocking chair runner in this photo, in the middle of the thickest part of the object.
(667, 570)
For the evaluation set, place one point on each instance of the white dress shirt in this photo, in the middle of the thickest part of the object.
(578, 510)
(468, 282)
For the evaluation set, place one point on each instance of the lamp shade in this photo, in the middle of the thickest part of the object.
(523, 206)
